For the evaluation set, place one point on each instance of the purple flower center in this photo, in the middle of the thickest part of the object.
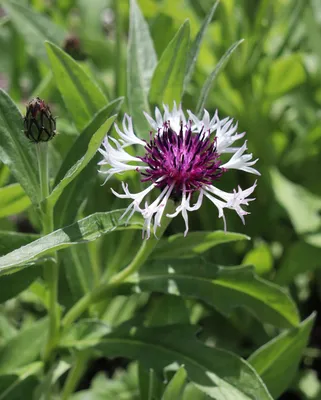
(185, 160)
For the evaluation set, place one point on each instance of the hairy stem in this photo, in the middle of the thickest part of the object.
(51, 266)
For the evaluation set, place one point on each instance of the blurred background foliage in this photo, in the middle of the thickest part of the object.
(271, 85)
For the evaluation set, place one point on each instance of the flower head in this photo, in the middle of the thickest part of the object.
(39, 124)
(182, 161)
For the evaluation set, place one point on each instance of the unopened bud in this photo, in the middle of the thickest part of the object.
(72, 46)
(39, 124)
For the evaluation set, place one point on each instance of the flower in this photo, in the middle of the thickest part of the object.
(39, 124)
(181, 160)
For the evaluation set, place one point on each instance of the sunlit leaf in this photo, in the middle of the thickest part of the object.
(302, 207)
(75, 170)
(142, 61)
(211, 79)
(168, 79)
(13, 200)
(277, 361)
(196, 45)
(82, 96)
(87, 229)
(15, 150)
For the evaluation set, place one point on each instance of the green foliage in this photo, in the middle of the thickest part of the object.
(81, 95)
(277, 361)
(168, 79)
(15, 150)
(141, 62)
(174, 317)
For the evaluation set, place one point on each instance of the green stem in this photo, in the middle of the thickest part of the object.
(75, 374)
(42, 155)
(104, 289)
(51, 267)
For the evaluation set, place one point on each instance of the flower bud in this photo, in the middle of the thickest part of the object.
(39, 124)
(72, 46)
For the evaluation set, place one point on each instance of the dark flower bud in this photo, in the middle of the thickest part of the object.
(72, 46)
(39, 124)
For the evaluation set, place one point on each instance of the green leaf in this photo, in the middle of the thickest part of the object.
(75, 170)
(14, 387)
(15, 150)
(302, 207)
(220, 374)
(285, 73)
(196, 46)
(261, 258)
(80, 146)
(82, 96)
(224, 288)
(85, 333)
(141, 63)
(174, 389)
(277, 361)
(87, 229)
(78, 270)
(66, 209)
(299, 258)
(13, 200)
(166, 310)
(34, 28)
(12, 240)
(211, 79)
(24, 348)
(45, 388)
(12, 285)
(168, 79)
(195, 243)
(122, 386)
(150, 384)
(75, 195)
(193, 393)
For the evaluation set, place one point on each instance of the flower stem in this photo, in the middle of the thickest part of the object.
(75, 374)
(51, 266)
(105, 288)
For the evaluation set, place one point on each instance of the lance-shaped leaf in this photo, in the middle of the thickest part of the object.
(211, 79)
(174, 389)
(303, 207)
(86, 229)
(196, 46)
(75, 170)
(141, 62)
(221, 287)
(35, 28)
(13, 284)
(13, 200)
(15, 150)
(178, 246)
(168, 79)
(220, 374)
(10, 241)
(277, 361)
(82, 96)
(79, 148)
(67, 206)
